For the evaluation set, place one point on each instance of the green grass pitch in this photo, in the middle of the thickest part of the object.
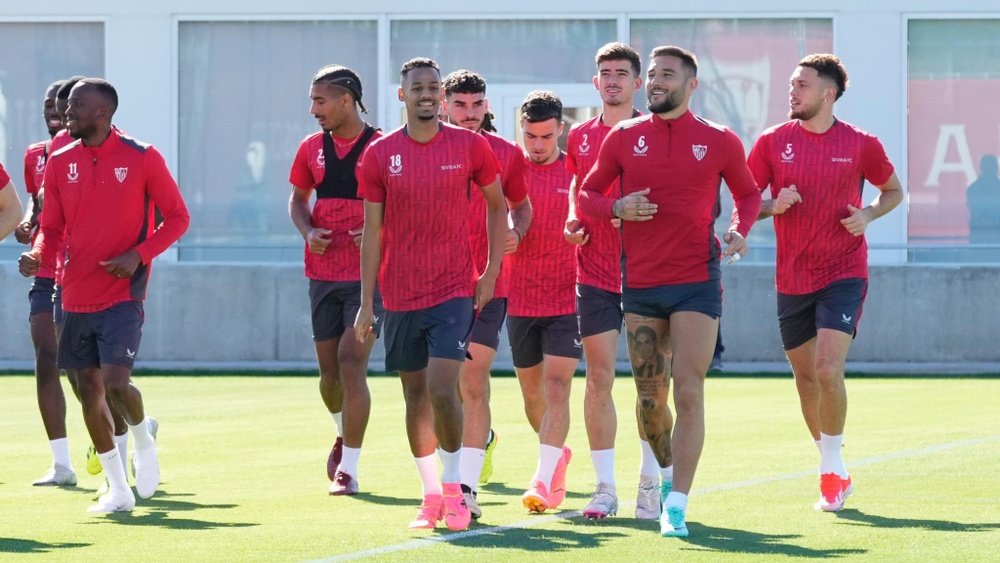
(243, 469)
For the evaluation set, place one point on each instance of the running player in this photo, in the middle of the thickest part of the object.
(671, 164)
(544, 336)
(416, 182)
(51, 400)
(598, 288)
(466, 105)
(816, 166)
(107, 174)
(326, 163)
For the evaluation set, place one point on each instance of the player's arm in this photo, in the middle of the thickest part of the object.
(890, 195)
(51, 225)
(574, 231)
(520, 219)
(746, 200)
(371, 259)
(298, 209)
(760, 167)
(10, 209)
(496, 230)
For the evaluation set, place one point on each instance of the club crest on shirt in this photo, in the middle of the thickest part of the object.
(121, 173)
(640, 147)
(320, 158)
(396, 164)
(72, 175)
(584, 145)
(40, 164)
(699, 151)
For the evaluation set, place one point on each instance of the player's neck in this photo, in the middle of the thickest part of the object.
(354, 127)
(422, 131)
(611, 115)
(98, 138)
(819, 123)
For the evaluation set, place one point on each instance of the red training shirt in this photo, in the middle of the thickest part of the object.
(103, 197)
(4, 178)
(342, 259)
(598, 263)
(424, 187)
(34, 169)
(829, 172)
(511, 161)
(543, 275)
(682, 161)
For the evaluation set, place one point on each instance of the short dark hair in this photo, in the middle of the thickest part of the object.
(464, 81)
(105, 89)
(418, 62)
(541, 105)
(55, 86)
(688, 60)
(618, 51)
(829, 67)
(341, 77)
(67, 85)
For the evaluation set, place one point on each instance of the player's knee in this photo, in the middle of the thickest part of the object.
(688, 401)
(829, 374)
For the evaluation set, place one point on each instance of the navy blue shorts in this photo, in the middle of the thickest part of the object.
(489, 321)
(40, 296)
(441, 331)
(335, 305)
(111, 336)
(532, 338)
(662, 301)
(597, 310)
(836, 306)
(57, 311)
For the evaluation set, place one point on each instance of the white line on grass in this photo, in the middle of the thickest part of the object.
(538, 521)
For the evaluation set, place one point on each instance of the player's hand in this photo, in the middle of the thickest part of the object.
(28, 263)
(634, 207)
(123, 265)
(484, 290)
(857, 222)
(787, 197)
(363, 322)
(575, 233)
(512, 241)
(318, 239)
(736, 248)
(356, 234)
(23, 232)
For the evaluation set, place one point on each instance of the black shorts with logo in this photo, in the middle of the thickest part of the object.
(40, 296)
(598, 310)
(836, 306)
(111, 336)
(441, 331)
(664, 300)
(489, 321)
(532, 338)
(334, 306)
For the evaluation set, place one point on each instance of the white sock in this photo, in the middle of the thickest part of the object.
(666, 474)
(427, 466)
(122, 443)
(819, 447)
(338, 421)
(649, 467)
(604, 466)
(548, 458)
(831, 460)
(451, 466)
(349, 461)
(677, 499)
(472, 466)
(140, 433)
(113, 470)
(60, 452)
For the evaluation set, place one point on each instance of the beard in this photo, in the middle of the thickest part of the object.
(804, 113)
(669, 103)
(83, 132)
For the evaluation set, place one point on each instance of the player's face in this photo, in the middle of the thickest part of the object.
(52, 120)
(466, 110)
(541, 140)
(807, 92)
(616, 82)
(330, 105)
(668, 85)
(421, 93)
(86, 110)
(61, 106)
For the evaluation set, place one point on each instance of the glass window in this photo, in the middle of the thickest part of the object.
(505, 51)
(953, 134)
(243, 109)
(32, 56)
(743, 71)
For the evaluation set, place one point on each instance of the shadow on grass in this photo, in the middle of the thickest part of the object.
(529, 539)
(855, 517)
(387, 501)
(17, 545)
(503, 489)
(162, 508)
(742, 541)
